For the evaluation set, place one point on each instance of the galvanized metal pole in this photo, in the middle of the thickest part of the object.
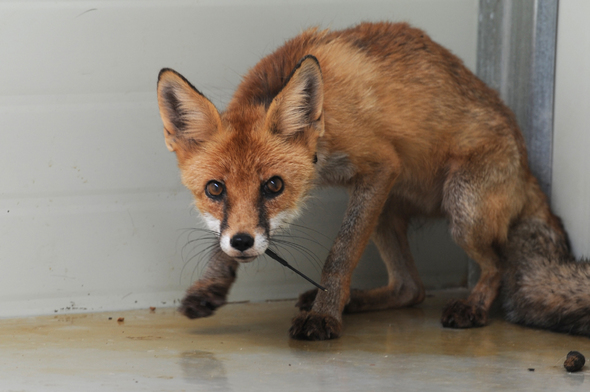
(516, 56)
(516, 46)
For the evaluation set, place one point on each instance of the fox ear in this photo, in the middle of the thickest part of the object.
(187, 115)
(300, 103)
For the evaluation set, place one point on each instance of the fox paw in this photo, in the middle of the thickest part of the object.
(203, 302)
(306, 300)
(313, 326)
(460, 314)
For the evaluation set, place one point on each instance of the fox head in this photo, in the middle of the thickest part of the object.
(250, 167)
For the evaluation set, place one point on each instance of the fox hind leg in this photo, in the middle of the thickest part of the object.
(473, 311)
(480, 208)
(404, 286)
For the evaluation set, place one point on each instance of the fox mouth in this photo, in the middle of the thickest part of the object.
(245, 259)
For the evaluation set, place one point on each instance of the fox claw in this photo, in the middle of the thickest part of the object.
(313, 326)
(460, 314)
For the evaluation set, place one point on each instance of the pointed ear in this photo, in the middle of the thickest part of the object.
(189, 118)
(300, 103)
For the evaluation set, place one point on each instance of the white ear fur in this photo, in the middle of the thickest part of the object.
(186, 113)
(299, 105)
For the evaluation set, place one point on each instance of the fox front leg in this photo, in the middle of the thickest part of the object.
(210, 292)
(367, 198)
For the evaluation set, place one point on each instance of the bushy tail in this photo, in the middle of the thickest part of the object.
(544, 286)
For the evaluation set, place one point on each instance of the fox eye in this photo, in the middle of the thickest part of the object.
(273, 187)
(214, 190)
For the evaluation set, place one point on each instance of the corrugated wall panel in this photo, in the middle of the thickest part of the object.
(92, 211)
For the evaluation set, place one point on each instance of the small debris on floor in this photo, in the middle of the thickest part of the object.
(531, 369)
(152, 309)
(120, 319)
(574, 361)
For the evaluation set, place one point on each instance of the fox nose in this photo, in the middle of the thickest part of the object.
(242, 241)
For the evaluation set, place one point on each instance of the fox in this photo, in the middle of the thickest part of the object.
(401, 123)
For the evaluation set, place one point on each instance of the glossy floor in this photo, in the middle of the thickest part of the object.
(245, 348)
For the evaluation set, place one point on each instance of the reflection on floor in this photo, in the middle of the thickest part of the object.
(245, 348)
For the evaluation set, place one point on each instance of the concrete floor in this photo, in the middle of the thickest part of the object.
(245, 348)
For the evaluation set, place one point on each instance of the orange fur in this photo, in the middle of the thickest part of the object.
(385, 112)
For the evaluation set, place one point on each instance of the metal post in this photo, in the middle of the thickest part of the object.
(516, 55)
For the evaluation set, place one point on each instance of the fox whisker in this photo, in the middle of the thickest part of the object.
(210, 237)
(204, 254)
(309, 255)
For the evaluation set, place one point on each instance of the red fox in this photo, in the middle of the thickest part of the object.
(400, 122)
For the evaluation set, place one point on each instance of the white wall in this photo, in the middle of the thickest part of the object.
(571, 141)
(92, 211)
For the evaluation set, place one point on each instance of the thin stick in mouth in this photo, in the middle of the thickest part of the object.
(273, 255)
